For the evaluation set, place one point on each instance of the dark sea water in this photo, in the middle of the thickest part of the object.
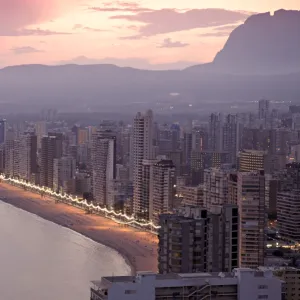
(40, 260)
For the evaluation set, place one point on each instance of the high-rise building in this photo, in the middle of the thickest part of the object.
(191, 195)
(241, 284)
(175, 137)
(12, 157)
(252, 211)
(40, 131)
(252, 160)
(262, 139)
(263, 109)
(233, 188)
(28, 157)
(288, 214)
(215, 134)
(161, 189)
(216, 186)
(64, 170)
(82, 136)
(2, 159)
(205, 160)
(146, 203)
(291, 278)
(142, 149)
(183, 243)
(51, 149)
(3, 129)
(198, 240)
(223, 238)
(187, 148)
(103, 164)
(232, 132)
(200, 139)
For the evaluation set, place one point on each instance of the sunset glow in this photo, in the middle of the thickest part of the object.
(137, 34)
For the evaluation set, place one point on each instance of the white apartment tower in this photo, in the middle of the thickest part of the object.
(252, 212)
(142, 149)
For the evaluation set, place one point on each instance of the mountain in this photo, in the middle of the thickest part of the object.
(264, 44)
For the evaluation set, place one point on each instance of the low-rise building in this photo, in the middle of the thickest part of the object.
(241, 284)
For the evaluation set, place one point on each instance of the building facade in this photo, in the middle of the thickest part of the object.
(103, 164)
(142, 150)
(64, 170)
(198, 240)
(28, 157)
(51, 149)
(162, 189)
(252, 212)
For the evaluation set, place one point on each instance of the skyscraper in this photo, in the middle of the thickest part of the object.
(142, 149)
(223, 238)
(215, 134)
(103, 164)
(215, 187)
(251, 204)
(232, 137)
(263, 109)
(161, 189)
(12, 158)
(28, 157)
(198, 240)
(288, 214)
(40, 131)
(64, 169)
(3, 131)
(51, 149)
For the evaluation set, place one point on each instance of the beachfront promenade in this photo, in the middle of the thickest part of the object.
(139, 248)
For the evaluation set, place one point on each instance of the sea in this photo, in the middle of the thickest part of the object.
(42, 260)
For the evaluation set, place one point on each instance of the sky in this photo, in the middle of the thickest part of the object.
(151, 34)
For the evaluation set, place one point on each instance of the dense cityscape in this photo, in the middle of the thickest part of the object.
(221, 193)
(149, 150)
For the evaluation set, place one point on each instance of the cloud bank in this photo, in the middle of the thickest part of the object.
(171, 20)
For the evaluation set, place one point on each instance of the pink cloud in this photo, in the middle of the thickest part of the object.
(17, 14)
(121, 6)
(168, 43)
(171, 20)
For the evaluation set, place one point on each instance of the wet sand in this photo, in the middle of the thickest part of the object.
(138, 248)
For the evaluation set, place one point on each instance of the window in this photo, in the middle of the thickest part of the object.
(262, 287)
(128, 292)
(263, 297)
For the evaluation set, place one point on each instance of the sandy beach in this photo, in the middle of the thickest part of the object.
(138, 248)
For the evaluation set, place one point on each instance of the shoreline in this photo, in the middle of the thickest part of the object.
(138, 249)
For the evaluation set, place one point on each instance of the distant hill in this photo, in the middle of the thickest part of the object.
(107, 87)
(264, 44)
